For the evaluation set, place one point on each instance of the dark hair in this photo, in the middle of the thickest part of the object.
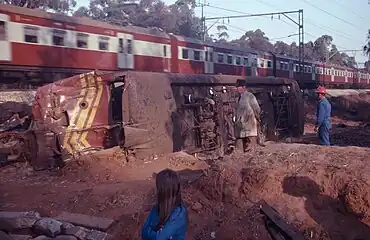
(168, 195)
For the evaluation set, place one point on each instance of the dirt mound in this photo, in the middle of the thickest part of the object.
(356, 196)
(315, 188)
(312, 188)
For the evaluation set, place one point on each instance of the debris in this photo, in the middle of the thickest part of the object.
(20, 237)
(97, 235)
(4, 236)
(11, 221)
(42, 237)
(280, 227)
(197, 206)
(86, 221)
(48, 226)
(78, 232)
(65, 237)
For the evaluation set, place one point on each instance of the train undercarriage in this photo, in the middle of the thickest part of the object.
(207, 117)
(193, 113)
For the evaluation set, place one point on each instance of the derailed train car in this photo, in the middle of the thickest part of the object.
(159, 112)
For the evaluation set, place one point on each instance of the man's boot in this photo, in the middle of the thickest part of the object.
(239, 145)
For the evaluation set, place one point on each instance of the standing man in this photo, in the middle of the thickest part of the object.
(247, 118)
(323, 113)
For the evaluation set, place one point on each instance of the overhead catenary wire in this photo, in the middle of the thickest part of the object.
(312, 23)
(341, 19)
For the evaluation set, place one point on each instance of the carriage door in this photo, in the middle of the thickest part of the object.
(254, 64)
(166, 59)
(313, 71)
(125, 51)
(291, 69)
(208, 60)
(4, 43)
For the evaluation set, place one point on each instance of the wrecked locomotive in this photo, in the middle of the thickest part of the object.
(151, 113)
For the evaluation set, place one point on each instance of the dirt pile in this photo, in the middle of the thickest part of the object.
(324, 192)
(314, 189)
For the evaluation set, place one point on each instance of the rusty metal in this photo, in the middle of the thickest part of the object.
(98, 110)
(278, 228)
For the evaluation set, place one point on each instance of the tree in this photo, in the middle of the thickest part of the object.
(60, 6)
(322, 47)
(254, 39)
(178, 18)
(221, 36)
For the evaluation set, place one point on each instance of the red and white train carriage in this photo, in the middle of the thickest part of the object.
(32, 40)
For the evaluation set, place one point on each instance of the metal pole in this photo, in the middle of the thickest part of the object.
(301, 46)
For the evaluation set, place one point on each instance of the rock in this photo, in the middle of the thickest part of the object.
(97, 235)
(197, 206)
(65, 237)
(92, 222)
(66, 225)
(20, 237)
(4, 236)
(78, 232)
(42, 237)
(11, 221)
(48, 226)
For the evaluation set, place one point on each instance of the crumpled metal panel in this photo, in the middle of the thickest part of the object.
(76, 109)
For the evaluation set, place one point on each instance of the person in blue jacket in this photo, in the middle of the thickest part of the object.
(169, 217)
(323, 123)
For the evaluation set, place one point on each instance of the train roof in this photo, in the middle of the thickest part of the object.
(81, 20)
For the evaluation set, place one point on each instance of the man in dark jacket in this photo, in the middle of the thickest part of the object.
(323, 113)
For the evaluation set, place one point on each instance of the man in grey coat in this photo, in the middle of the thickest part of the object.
(247, 118)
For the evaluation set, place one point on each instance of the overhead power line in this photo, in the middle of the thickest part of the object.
(341, 19)
(312, 23)
(349, 10)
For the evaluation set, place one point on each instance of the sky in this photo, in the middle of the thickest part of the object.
(347, 21)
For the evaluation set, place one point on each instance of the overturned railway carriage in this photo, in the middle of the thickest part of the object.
(38, 47)
(95, 111)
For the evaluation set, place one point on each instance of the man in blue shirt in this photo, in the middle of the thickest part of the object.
(323, 113)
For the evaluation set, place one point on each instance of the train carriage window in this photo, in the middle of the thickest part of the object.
(309, 69)
(185, 53)
(269, 64)
(2, 31)
(211, 56)
(196, 55)
(295, 67)
(305, 69)
(206, 56)
(245, 61)
(237, 60)
(82, 39)
(31, 34)
(220, 58)
(129, 46)
(164, 51)
(229, 59)
(59, 37)
(281, 66)
(120, 45)
(103, 43)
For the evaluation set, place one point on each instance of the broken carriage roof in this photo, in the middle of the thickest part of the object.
(174, 78)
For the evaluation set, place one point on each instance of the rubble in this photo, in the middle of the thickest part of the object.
(46, 228)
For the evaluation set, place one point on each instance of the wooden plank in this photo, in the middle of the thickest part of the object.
(275, 217)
